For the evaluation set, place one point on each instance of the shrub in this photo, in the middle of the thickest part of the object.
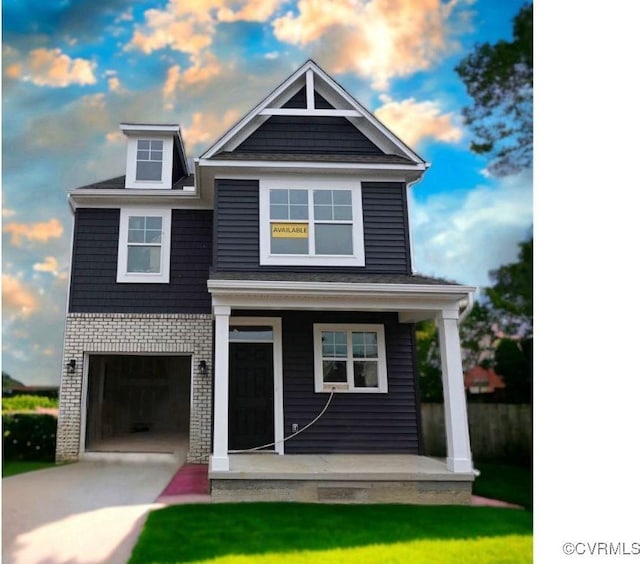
(27, 403)
(29, 436)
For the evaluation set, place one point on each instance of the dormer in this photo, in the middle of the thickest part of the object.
(155, 156)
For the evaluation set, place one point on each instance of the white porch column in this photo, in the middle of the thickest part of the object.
(455, 405)
(220, 458)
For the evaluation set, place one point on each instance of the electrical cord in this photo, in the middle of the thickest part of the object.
(293, 434)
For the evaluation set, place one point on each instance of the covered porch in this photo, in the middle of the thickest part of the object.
(335, 478)
(408, 299)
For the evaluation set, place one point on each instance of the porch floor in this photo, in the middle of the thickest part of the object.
(378, 467)
(340, 478)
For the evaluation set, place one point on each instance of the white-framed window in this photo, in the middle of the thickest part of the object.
(144, 247)
(149, 162)
(149, 159)
(349, 358)
(311, 221)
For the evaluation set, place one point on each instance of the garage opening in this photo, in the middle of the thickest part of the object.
(138, 403)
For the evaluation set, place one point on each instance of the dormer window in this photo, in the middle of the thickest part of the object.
(149, 159)
(155, 156)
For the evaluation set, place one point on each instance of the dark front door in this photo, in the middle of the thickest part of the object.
(250, 395)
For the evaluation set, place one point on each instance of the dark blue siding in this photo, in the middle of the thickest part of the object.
(95, 258)
(386, 238)
(308, 135)
(353, 423)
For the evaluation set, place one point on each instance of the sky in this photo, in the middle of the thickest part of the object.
(72, 70)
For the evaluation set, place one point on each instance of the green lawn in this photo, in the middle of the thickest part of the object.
(309, 533)
(507, 483)
(13, 467)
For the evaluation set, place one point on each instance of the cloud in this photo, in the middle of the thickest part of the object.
(250, 11)
(50, 265)
(413, 121)
(205, 128)
(114, 84)
(40, 232)
(17, 299)
(377, 39)
(461, 236)
(51, 67)
(204, 68)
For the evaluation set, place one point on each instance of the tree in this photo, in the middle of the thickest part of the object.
(511, 295)
(514, 362)
(499, 78)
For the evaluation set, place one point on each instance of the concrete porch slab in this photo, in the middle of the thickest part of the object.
(338, 478)
(376, 467)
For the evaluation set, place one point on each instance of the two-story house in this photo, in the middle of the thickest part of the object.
(218, 310)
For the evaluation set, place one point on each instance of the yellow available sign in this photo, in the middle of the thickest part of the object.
(290, 230)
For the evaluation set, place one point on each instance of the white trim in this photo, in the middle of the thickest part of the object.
(278, 385)
(83, 403)
(144, 128)
(232, 163)
(132, 163)
(309, 112)
(310, 184)
(161, 277)
(349, 328)
(310, 90)
(412, 302)
(455, 405)
(219, 460)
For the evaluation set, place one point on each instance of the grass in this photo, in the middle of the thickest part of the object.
(305, 533)
(13, 467)
(513, 484)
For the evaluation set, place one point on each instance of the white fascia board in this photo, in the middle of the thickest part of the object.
(142, 128)
(412, 304)
(339, 287)
(103, 198)
(232, 163)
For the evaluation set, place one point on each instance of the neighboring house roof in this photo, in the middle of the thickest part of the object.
(483, 380)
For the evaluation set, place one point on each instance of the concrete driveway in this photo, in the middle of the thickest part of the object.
(81, 513)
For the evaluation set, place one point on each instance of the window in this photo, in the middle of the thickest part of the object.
(311, 221)
(144, 245)
(149, 160)
(350, 358)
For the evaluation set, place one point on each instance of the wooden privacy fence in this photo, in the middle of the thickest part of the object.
(498, 431)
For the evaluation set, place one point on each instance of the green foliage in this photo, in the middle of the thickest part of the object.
(499, 78)
(8, 383)
(512, 292)
(429, 371)
(514, 362)
(280, 532)
(27, 403)
(29, 436)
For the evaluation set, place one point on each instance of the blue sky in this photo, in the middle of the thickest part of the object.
(74, 69)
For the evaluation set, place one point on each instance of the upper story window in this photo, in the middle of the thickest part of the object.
(149, 162)
(144, 245)
(149, 159)
(311, 221)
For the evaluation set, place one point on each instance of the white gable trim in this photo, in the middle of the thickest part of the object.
(307, 76)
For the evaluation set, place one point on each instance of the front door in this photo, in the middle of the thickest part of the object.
(250, 395)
